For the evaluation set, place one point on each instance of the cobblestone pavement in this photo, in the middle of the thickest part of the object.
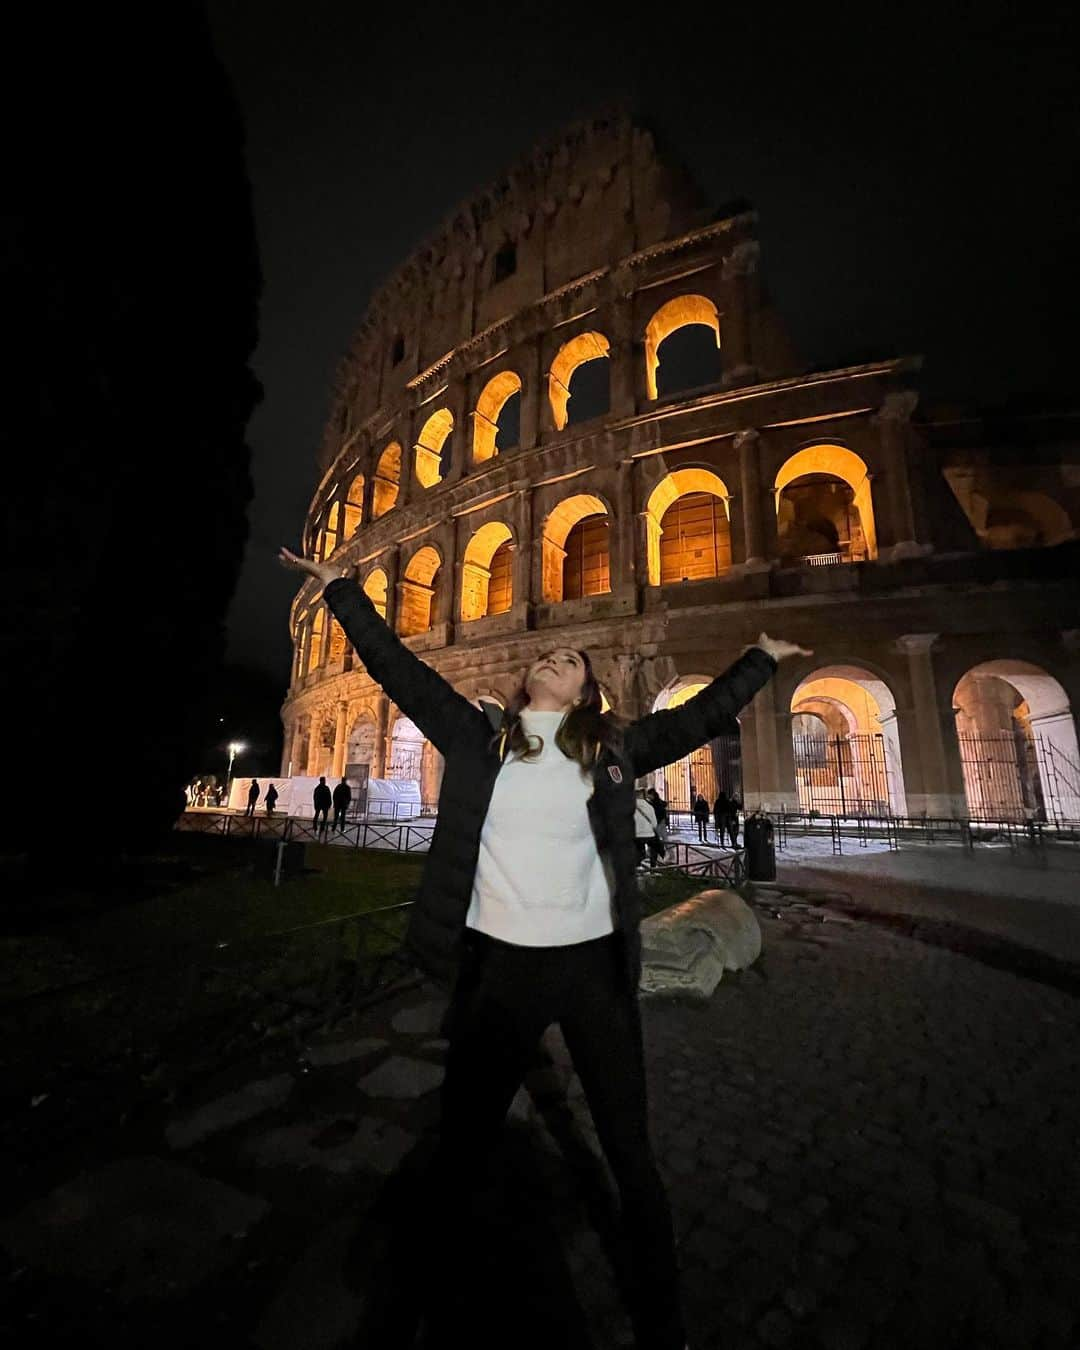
(869, 1142)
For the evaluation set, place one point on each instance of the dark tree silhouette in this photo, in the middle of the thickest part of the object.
(133, 273)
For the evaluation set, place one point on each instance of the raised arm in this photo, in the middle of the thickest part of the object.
(441, 713)
(666, 736)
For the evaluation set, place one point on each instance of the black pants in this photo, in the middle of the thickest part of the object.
(249, 810)
(319, 811)
(339, 818)
(733, 830)
(702, 828)
(506, 997)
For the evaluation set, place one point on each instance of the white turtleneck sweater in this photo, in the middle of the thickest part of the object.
(540, 880)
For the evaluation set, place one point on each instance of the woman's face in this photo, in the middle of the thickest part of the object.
(556, 679)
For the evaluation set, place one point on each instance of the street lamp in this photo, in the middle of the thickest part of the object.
(235, 748)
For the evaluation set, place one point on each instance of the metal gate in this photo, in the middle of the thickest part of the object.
(709, 768)
(1001, 777)
(842, 775)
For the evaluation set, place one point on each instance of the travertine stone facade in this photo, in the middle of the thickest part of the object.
(908, 551)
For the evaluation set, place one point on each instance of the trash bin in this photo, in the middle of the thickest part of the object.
(760, 850)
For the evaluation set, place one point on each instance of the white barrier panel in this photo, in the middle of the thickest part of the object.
(392, 798)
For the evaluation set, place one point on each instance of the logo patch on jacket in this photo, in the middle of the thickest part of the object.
(615, 773)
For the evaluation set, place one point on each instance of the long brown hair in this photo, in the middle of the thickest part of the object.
(582, 734)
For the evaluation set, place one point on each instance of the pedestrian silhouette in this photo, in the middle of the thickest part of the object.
(322, 800)
(253, 797)
(342, 798)
(271, 799)
(701, 815)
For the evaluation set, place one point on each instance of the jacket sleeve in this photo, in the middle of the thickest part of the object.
(666, 736)
(442, 714)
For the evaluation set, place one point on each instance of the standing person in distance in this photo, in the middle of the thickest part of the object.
(271, 799)
(322, 799)
(645, 828)
(253, 797)
(342, 798)
(720, 811)
(529, 927)
(701, 816)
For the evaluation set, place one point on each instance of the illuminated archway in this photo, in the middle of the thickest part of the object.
(677, 313)
(430, 445)
(556, 530)
(1024, 520)
(387, 480)
(1018, 744)
(682, 483)
(846, 744)
(817, 464)
(315, 645)
(375, 586)
(498, 390)
(360, 744)
(486, 572)
(336, 650)
(328, 534)
(585, 347)
(710, 768)
(418, 592)
(354, 505)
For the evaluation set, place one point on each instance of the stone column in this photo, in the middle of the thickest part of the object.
(522, 566)
(338, 769)
(937, 795)
(893, 420)
(446, 578)
(379, 746)
(390, 562)
(622, 352)
(624, 572)
(534, 391)
(736, 321)
(748, 444)
(775, 757)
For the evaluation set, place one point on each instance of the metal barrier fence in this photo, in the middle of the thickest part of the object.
(895, 830)
(728, 866)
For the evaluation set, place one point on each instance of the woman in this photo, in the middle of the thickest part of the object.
(645, 829)
(528, 910)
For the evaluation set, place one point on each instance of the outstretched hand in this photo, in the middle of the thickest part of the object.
(324, 572)
(778, 648)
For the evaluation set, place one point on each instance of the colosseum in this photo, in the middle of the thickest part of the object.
(573, 417)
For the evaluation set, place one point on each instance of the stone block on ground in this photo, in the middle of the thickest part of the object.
(402, 1078)
(150, 1227)
(225, 1112)
(340, 1052)
(687, 948)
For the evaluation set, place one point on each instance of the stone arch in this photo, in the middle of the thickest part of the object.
(430, 445)
(854, 765)
(579, 350)
(493, 398)
(1025, 519)
(354, 505)
(831, 461)
(486, 571)
(680, 483)
(1018, 745)
(315, 642)
(677, 313)
(375, 588)
(711, 767)
(387, 480)
(556, 531)
(418, 585)
(327, 538)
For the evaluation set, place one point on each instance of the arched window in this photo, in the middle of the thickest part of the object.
(432, 448)
(487, 567)
(824, 510)
(387, 480)
(315, 647)
(581, 357)
(354, 505)
(375, 584)
(684, 310)
(576, 566)
(418, 586)
(688, 535)
(497, 418)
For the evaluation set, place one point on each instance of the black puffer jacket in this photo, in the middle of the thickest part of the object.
(463, 734)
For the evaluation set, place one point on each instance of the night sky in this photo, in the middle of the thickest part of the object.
(911, 171)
